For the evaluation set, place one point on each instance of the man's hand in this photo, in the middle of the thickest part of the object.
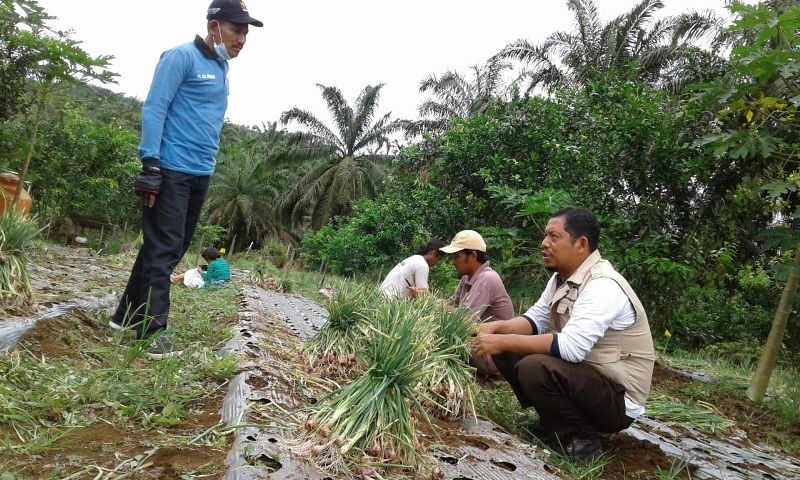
(148, 184)
(489, 328)
(486, 344)
(415, 292)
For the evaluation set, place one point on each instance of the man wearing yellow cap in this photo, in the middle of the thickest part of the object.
(480, 290)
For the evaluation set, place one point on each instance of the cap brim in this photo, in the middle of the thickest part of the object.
(451, 249)
(250, 21)
(242, 20)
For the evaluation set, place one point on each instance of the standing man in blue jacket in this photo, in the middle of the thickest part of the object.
(181, 122)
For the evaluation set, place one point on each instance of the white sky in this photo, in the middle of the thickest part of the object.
(346, 43)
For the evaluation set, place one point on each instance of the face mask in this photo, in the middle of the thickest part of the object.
(219, 48)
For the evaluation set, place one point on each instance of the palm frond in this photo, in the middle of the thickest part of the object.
(520, 50)
(340, 111)
(301, 197)
(332, 182)
(692, 26)
(317, 130)
(378, 134)
(365, 106)
(587, 20)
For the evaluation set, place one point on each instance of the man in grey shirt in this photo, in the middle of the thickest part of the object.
(480, 291)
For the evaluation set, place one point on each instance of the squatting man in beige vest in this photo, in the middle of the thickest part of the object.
(582, 356)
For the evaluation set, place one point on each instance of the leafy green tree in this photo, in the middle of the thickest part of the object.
(17, 59)
(256, 166)
(383, 231)
(757, 106)
(106, 107)
(454, 95)
(618, 148)
(85, 168)
(634, 43)
(58, 61)
(348, 163)
(519, 246)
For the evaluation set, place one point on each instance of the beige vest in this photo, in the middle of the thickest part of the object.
(624, 356)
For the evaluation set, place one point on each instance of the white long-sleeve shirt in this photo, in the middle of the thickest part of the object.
(602, 305)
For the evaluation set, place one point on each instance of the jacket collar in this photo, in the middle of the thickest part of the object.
(203, 47)
(580, 275)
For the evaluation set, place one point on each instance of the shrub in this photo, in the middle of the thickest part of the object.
(275, 252)
(704, 317)
(442, 278)
(379, 234)
(746, 352)
(208, 235)
(17, 231)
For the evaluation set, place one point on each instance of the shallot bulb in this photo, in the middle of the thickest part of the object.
(317, 450)
(437, 473)
(388, 454)
(374, 450)
(368, 472)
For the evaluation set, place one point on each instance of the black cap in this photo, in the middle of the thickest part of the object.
(232, 10)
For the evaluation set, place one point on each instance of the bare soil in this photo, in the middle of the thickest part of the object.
(111, 445)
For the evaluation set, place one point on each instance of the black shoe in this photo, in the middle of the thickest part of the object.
(584, 448)
(161, 347)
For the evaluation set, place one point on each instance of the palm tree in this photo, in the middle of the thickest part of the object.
(247, 185)
(455, 96)
(347, 163)
(242, 197)
(634, 42)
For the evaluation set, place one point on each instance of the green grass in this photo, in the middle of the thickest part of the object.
(108, 380)
(732, 380)
(679, 468)
(700, 415)
(779, 412)
(581, 471)
(307, 283)
(497, 403)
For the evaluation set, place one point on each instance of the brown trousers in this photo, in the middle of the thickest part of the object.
(572, 399)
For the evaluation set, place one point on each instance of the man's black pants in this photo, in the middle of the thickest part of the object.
(570, 398)
(167, 229)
